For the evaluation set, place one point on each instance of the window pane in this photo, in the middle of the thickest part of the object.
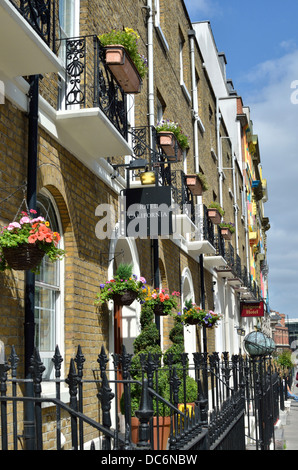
(45, 318)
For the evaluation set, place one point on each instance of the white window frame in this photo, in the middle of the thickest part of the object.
(158, 27)
(48, 388)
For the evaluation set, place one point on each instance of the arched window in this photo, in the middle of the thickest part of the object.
(48, 293)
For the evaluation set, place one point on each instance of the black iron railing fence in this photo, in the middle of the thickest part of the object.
(226, 389)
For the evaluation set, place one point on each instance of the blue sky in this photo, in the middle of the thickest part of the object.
(260, 41)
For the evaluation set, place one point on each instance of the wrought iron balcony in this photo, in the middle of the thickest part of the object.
(41, 15)
(92, 107)
(27, 34)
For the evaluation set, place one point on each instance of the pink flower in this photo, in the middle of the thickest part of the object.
(143, 280)
(25, 220)
(13, 225)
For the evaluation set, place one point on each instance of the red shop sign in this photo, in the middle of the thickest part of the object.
(252, 309)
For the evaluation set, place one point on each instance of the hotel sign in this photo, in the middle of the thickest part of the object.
(252, 309)
(148, 212)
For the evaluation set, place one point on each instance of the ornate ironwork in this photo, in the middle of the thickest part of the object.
(222, 385)
(40, 14)
(89, 83)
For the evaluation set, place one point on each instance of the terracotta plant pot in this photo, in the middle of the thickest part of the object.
(167, 141)
(123, 68)
(126, 298)
(194, 185)
(214, 216)
(164, 431)
(225, 233)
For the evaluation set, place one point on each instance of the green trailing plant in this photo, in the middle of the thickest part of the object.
(228, 225)
(216, 205)
(170, 126)
(127, 38)
(203, 181)
(193, 314)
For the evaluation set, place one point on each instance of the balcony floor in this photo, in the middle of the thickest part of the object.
(89, 134)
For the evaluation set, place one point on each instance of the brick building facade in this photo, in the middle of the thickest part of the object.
(75, 176)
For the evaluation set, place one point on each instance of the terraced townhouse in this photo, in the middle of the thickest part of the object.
(74, 145)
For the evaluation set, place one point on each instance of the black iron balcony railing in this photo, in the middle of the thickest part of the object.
(181, 194)
(89, 83)
(41, 15)
(208, 227)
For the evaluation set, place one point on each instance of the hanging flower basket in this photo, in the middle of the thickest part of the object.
(194, 315)
(23, 243)
(160, 311)
(127, 298)
(162, 303)
(23, 257)
(124, 288)
(123, 68)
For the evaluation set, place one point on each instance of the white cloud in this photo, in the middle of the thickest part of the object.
(198, 8)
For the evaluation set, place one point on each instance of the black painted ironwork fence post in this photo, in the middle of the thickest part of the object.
(14, 360)
(144, 414)
(57, 360)
(36, 369)
(105, 395)
(3, 389)
(72, 380)
(79, 360)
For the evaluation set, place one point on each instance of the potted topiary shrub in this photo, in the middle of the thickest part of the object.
(186, 402)
(147, 343)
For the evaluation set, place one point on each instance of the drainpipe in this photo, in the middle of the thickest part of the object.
(235, 203)
(150, 68)
(155, 245)
(29, 324)
(195, 107)
(220, 170)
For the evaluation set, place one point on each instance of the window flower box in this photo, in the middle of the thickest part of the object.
(123, 58)
(168, 143)
(196, 184)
